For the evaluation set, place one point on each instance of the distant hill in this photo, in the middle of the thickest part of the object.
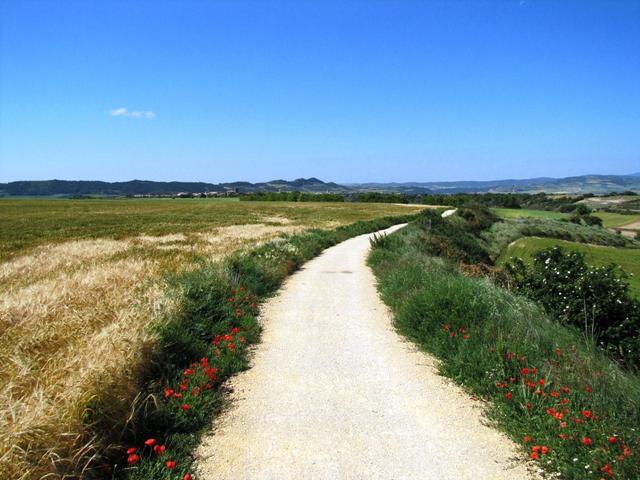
(67, 188)
(582, 184)
(598, 184)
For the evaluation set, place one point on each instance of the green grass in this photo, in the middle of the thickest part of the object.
(597, 255)
(502, 234)
(610, 220)
(25, 224)
(614, 220)
(485, 336)
(524, 213)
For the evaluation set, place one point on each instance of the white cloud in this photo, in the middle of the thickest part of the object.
(123, 112)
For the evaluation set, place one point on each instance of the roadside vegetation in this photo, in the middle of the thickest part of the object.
(572, 407)
(85, 285)
(206, 341)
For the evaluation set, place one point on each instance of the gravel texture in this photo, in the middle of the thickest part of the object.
(336, 393)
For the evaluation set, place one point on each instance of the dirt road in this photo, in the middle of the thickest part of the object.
(335, 393)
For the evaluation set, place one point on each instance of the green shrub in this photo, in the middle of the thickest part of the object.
(593, 299)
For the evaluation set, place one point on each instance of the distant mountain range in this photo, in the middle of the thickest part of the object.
(575, 185)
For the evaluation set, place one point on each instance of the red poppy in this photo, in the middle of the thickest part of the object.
(524, 371)
(607, 470)
(544, 450)
(613, 439)
(565, 389)
(133, 459)
(509, 395)
(131, 450)
(232, 347)
(542, 381)
(586, 441)
(527, 439)
(185, 406)
(170, 464)
(150, 442)
(588, 389)
(159, 449)
(187, 476)
(564, 401)
(235, 330)
(554, 394)
(534, 456)
(587, 413)
(168, 392)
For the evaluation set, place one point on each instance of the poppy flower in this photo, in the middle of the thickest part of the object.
(613, 439)
(185, 406)
(131, 450)
(588, 389)
(509, 395)
(232, 347)
(150, 442)
(607, 470)
(133, 459)
(170, 464)
(524, 371)
(542, 381)
(527, 439)
(564, 401)
(159, 449)
(534, 455)
(544, 450)
(587, 413)
(168, 392)
(235, 330)
(565, 389)
(586, 441)
(187, 476)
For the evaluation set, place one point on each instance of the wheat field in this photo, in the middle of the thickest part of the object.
(81, 283)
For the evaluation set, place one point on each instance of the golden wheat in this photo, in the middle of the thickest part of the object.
(74, 318)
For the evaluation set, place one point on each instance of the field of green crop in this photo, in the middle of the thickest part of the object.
(522, 212)
(27, 223)
(609, 220)
(615, 220)
(627, 258)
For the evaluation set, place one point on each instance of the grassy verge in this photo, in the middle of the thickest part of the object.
(573, 410)
(597, 255)
(205, 342)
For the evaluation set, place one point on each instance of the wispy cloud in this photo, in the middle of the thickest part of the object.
(123, 112)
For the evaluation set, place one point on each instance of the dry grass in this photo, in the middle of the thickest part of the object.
(75, 318)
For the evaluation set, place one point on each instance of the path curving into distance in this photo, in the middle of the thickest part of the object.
(336, 393)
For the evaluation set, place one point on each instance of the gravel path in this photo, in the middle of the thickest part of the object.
(335, 393)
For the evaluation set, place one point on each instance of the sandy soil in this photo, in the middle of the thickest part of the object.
(336, 393)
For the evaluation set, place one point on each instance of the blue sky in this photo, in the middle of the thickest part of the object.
(344, 91)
